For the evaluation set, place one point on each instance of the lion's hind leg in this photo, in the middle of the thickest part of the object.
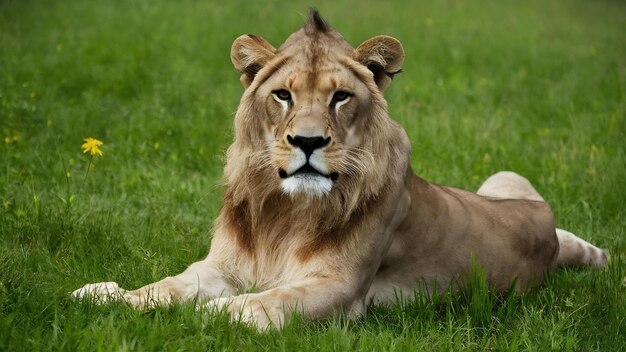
(575, 251)
(508, 185)
(572, 249)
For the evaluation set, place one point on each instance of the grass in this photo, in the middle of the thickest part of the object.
(538, 87)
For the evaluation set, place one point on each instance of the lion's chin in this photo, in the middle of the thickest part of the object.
(309, 185)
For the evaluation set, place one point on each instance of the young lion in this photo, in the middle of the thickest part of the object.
(321, 210)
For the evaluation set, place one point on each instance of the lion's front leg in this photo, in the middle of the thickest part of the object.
(100, 292)
(202, 280)
(316, 298)
(160, 292)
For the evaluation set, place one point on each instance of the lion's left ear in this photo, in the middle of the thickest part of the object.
(249, 54)
(384, 56)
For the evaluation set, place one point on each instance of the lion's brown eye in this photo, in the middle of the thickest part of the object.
(282, 94)
(340, 96)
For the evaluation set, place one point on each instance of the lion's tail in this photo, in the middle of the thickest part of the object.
(576, 251)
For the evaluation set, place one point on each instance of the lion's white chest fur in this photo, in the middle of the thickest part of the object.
(275, 260)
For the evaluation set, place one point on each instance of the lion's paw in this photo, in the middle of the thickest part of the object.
(249, 309)
(101, 292)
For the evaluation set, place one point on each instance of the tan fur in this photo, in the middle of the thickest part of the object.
(362, 227)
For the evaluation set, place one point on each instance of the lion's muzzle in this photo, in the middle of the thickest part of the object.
(308, 144)
(307, 173)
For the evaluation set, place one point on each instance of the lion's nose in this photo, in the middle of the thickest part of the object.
(308, 144)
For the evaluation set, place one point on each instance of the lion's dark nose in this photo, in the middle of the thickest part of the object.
(308, 144)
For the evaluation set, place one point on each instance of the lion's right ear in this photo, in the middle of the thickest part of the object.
(249, 54)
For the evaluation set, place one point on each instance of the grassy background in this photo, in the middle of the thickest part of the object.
(536, 86)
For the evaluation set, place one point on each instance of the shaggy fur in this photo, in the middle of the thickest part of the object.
(321, 210)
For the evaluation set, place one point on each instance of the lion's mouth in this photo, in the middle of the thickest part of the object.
(307, 170)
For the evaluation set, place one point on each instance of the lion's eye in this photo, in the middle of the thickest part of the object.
(340, 96)
(282, 94)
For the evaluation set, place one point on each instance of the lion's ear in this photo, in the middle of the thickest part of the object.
(384, 56)
(249, 54)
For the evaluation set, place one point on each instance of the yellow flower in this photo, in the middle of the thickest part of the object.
(92, 146)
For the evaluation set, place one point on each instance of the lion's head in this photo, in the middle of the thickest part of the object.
(312, 125)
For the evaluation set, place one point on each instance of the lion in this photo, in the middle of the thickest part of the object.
(322, 212)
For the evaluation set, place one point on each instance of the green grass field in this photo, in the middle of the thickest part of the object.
(536, 86)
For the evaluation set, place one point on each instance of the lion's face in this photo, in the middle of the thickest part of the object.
(312, 126)
(313, 113)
